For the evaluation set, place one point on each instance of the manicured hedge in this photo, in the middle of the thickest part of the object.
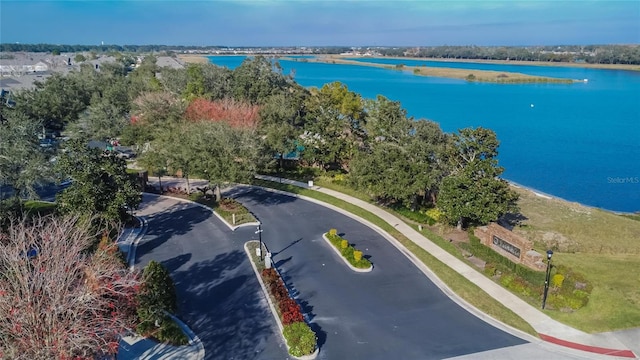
(300, 338)
(504, 264)
(347, 250)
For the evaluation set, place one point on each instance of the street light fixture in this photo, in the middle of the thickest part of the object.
(259, 232)
(546, 279)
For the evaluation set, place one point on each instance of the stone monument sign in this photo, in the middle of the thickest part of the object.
(511, 245)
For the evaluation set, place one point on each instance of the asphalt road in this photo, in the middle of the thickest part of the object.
(393, 312)
(219, 296)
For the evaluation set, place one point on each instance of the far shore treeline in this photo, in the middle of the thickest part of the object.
(589, 54)
(223, 125)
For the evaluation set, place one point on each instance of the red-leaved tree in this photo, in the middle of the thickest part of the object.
(235, 113)
(58, 298)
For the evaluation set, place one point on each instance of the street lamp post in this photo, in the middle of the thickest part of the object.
(546, 279)
(259, 232)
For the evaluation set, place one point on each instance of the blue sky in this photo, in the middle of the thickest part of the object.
(321, 22)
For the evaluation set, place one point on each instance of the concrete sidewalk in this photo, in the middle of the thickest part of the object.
(619, 344)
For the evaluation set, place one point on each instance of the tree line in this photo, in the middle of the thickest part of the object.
(591, 54)
(226, 125)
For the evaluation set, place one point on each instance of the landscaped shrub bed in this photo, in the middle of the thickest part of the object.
(300, 338)
(353, 256)
(228, 207)
(568, 290)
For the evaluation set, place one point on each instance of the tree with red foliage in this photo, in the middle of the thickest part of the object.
(235, 113)
(59, 299)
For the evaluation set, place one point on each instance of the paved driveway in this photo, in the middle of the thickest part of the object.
(219, 296)
(393, 312)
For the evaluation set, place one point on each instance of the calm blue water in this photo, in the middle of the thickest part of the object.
(580, 142)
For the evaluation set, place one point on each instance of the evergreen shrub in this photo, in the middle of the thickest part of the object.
(156, 298)
(357, 255)
(300, 338)
(557, 280)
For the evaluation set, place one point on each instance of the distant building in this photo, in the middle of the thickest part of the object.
(167, 61)
(96, 63)
(12, 67)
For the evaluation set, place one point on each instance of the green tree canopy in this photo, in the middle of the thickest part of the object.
(22, 163)
(474, 193)
(256, 79)
(100, 184)
(334, 127)
(386, 120)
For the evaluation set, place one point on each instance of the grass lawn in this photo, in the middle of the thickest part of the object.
(572, 228)
(615, 300)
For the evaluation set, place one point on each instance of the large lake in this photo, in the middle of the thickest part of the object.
(579, 142)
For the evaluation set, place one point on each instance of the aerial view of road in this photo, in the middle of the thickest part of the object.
(392, 312)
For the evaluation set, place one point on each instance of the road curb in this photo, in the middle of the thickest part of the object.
(588, 348)
(194, 340)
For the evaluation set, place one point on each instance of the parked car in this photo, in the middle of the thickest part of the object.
(124, 152)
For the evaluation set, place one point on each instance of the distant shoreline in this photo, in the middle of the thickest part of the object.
(472, 75)
(519, 63)
(202, 58)
(547, 196)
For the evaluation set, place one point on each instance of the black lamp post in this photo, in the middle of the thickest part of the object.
(546, 279)
(259, 232)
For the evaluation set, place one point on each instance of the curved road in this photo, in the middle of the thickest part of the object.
(395, 311)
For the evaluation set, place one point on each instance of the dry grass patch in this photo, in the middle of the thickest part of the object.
(571, 227)
(194, 59)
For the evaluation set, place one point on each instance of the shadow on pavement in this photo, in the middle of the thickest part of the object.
(274, 253)
(164, 225)
(221, 302)
(249, 195)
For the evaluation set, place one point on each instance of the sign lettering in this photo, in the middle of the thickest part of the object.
(508, 247)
